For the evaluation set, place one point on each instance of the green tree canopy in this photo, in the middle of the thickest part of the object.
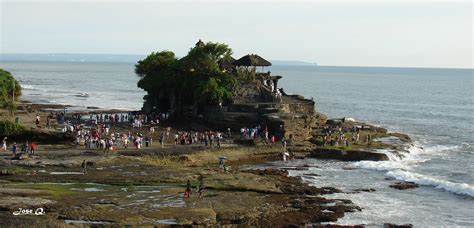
(154, 62)
(156, 71)
(9, 88)
(194, 79)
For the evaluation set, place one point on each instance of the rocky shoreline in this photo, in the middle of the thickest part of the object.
(251, 197)
(145, 187)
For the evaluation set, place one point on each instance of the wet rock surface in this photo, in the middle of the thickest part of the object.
(348, 155)
(404, 185)
(148, 190)
(391, 225)
(364, 190)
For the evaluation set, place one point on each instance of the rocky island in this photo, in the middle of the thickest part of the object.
(203, 97)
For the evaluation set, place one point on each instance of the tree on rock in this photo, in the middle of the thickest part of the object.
(10, 90)
(189, 83)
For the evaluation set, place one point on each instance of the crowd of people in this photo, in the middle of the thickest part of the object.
(207, 138)
(137, 119)
(258, 132)
(104, 132)
(94, 131)
(338, 137)
(28, 148)
(102, 138)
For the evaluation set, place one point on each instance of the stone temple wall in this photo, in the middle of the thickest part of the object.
(248, 92)
(304, 107)
(293, 118)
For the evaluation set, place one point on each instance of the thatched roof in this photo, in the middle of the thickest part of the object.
(200, 43)
(226, 62)
(252, 60)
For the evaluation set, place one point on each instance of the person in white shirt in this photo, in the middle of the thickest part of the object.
(4, 144)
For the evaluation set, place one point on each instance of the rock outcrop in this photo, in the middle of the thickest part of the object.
(348, 155)
(404, 185)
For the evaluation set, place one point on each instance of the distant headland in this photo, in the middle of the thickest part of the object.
(106, 58)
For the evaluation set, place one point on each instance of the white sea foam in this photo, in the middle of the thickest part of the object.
(380, 165)
(417, 153)
(438, 149)
(402, 161)
(466, 145)
(399, 168)
(458, 188)
(30, 87)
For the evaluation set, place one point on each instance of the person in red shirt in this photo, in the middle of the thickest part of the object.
(32, 148)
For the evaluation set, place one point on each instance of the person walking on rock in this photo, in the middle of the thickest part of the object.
(32, 148)
(201, 187)
(218, 140)
(37, 121)
(84, 167)
(187, 193)
(14, 147)
(24, 147)
(4, 144)
(162, 140)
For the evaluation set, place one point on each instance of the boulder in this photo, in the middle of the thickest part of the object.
(348, 155)
(364, 190)
(391, 225)
(184, 158)
(22, 156)
(404, 185)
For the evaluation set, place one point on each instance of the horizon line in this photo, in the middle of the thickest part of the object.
(306, 63)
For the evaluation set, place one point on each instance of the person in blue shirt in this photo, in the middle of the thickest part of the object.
(14, 148)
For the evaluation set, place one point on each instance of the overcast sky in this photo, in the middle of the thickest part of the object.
(429, 34)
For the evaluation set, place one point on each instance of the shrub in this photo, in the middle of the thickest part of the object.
(8, 128)
(318, 141)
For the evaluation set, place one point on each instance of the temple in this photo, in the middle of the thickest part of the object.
(257, 100)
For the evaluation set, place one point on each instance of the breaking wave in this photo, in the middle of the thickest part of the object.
(458, 188)
(28, 87)
(398, 167)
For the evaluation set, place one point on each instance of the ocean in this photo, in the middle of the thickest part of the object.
(81, 84)
(433, 106)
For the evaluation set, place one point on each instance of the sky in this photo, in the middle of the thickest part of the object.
(349, 33)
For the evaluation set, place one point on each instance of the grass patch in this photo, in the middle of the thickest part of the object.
(167, 160)
(338, 147)
(16, 169)
(55, 190)
(211, 156)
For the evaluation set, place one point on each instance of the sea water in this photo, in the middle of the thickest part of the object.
(80, 84)
(433, 106)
